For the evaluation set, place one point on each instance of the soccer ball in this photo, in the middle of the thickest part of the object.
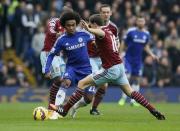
(40, 113)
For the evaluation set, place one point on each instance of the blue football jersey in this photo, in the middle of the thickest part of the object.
(135, 41)
(75, 48)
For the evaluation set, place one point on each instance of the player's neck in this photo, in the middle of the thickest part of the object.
(106, 22)
(140, 29)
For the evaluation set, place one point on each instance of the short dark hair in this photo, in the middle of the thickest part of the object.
(140, 16)
(104, 5)
(96, 18)
(69, 15)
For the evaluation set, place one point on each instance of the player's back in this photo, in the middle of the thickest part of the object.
(111, 27)
(52, 28)
(135, 41)
(108, 50)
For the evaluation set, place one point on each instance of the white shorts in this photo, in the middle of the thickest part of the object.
(115, 75)
(96, 64)
(57, 67)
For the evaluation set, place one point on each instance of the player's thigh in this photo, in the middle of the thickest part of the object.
(122, 79)
(136, 69)
(69, 74)
(86, 82)
(128, 67)
(100, 77)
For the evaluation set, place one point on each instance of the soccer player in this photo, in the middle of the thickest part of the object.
(113, 70)
(74, 44)
(105, 13)
(53, 31)
(136, 40)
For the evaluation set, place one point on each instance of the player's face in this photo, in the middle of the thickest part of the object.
(105, 13)
(140, 22)
(70, 26)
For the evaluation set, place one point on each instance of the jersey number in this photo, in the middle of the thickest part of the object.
(114, 44)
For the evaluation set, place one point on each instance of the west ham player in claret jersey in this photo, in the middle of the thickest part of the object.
(74, 44)
(105, 13)
(113, 70)
(53, 31)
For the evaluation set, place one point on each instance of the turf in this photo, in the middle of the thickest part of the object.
(18, 117)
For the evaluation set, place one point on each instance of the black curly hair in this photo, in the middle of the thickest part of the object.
(69, 15)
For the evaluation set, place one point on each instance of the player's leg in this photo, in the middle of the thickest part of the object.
(98, 98)
(135, 80)
(84, 101)
(77, 95)
(138, 97)
(96, 66)
(88, 93)
(61, 94)
(128, 70)
(56, 81)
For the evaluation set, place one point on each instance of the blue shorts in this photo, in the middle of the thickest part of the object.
(75, 75)
(133, 68)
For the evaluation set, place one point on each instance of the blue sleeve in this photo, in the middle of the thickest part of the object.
(90, 37)
(55, 50)
(126, 37)
(148, 38)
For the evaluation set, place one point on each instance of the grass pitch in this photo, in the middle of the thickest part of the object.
(18, 117)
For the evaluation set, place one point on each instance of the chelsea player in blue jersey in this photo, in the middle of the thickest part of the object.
(136, 40)
(74, 45)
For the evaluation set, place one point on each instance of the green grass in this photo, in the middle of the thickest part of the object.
(18, 117)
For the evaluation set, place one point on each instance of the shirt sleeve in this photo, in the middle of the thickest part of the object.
(55, 50)
(90, 37)
(51, 29)
(148, 38)
(126, 37)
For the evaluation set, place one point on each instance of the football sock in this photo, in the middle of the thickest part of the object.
(74, 98)
(98, 98)
(60, 96)
(80, 103)
(138, 97)
(53, 91)
(124, 96)
(136, 88)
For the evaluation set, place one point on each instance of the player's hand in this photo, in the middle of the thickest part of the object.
(156, 58)
(48, 75)
(58, 34)
(54, 107)
(84, 24)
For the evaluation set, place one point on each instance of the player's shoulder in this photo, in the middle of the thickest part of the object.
(146, 31)
(131, 29)
(112, 24)
(62, 37)
(81, 31)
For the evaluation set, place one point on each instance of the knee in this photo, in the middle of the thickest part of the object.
(81, 84)
(66, 83)
(57, 80)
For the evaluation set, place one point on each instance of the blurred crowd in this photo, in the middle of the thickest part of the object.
(22, 28)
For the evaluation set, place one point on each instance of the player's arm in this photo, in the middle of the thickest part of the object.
(148, 50)
(55, 50)
(97, 32)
